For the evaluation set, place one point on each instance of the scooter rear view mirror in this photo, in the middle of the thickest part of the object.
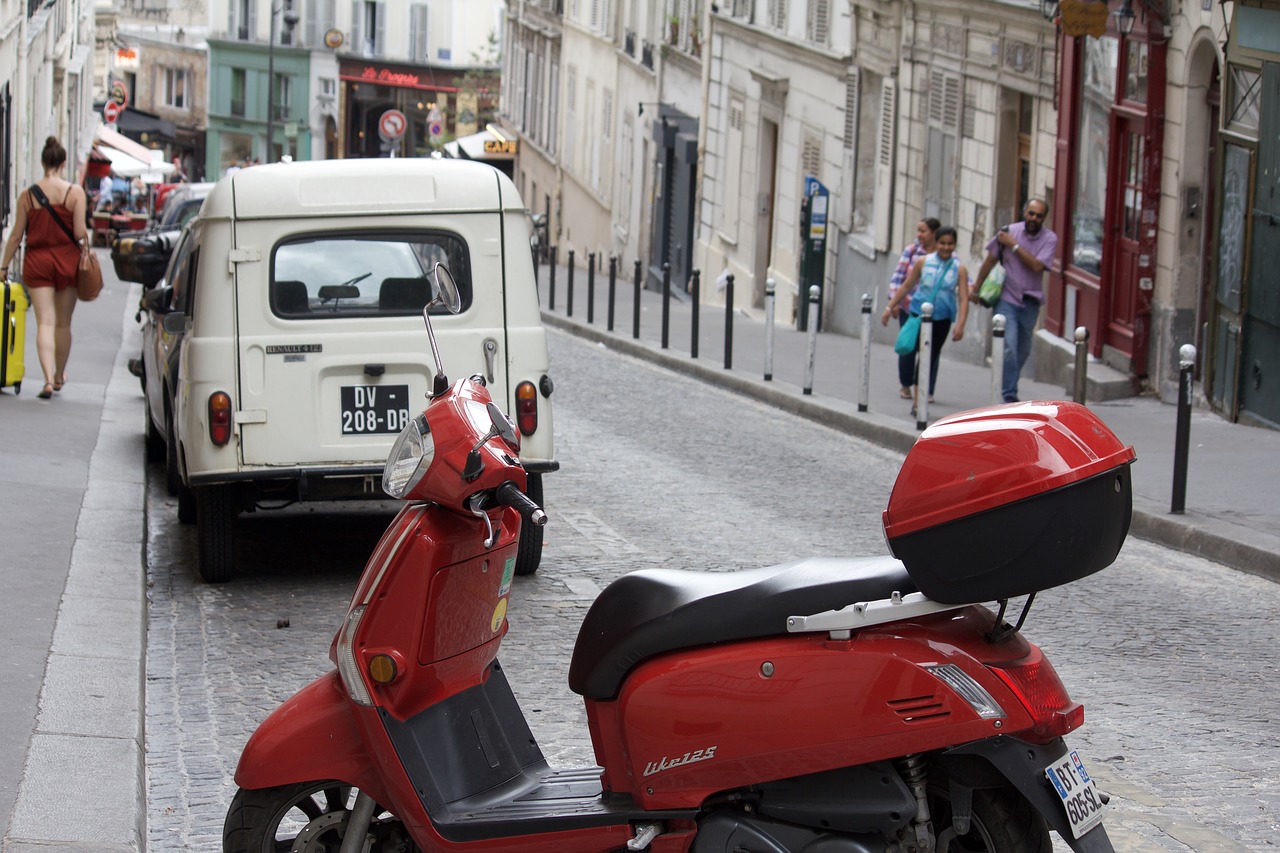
(444, 291)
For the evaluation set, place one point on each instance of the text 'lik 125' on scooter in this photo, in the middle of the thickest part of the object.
(820, 706)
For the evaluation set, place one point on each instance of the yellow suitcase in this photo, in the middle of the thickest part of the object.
(12, 336)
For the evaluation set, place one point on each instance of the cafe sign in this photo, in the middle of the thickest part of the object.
(1084, 17)
(500, 146)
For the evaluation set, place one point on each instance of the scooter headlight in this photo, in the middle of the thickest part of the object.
(410, 458)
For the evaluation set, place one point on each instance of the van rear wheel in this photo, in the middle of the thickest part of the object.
(215, 532)
(529, 552)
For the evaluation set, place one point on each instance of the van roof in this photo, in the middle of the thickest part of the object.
(369, 187)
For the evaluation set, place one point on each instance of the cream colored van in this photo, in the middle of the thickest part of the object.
(303, 350)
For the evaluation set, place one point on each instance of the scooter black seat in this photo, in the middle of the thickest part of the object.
(653, 611)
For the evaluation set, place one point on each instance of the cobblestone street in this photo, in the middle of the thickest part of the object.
(661, 471)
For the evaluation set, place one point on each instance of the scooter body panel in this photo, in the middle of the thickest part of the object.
(313, 736)
(690, 724)
(435, 604)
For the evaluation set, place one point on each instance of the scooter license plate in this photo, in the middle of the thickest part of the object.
(374, 409)
(1079, 794)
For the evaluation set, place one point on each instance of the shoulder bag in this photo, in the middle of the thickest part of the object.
(908, 336)
(88, 271)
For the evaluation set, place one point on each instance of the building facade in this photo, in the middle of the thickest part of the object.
(46, 89)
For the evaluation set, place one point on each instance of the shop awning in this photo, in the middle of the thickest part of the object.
(129, 159)
(134, 123)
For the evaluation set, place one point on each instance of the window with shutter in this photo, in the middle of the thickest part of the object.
(778, 15)
(731, 182)
(944, 104)
(885, 147)
(570, 115)
(818, 22)
(418, 32)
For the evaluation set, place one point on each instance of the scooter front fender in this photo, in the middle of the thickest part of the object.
(1023, 764)
(313, 736)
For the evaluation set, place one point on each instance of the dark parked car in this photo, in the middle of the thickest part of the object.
(142, 256)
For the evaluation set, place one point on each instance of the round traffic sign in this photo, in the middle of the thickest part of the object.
(392, 124)
(111, 111)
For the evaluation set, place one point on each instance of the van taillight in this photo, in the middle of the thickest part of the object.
(527, 408)
(1036, 684)
(219, 418)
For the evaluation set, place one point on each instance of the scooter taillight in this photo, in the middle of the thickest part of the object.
(1036, 684)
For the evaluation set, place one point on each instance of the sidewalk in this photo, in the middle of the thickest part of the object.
(1232, 509)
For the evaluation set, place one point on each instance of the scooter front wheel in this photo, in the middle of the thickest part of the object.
(309, 817)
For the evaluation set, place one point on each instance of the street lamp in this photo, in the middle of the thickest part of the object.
(1049, 9)
(290, 21)
(1124, 18)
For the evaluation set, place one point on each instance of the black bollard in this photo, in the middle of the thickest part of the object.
(591, 288)
(695, 287)
(551, 282)
(613, 287)
(728, 322)
(635, 308)
(568, 308)
(1182, 437)
(666, 304)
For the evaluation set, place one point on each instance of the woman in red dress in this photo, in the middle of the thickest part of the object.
(50, 261)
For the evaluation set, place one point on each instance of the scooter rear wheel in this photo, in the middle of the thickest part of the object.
(310, 817)
(1003, 822)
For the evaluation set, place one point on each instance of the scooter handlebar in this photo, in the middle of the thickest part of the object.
(509, 494)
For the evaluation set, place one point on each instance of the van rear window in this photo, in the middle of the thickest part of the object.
(382, 274)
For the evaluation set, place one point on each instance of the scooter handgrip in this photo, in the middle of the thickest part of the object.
(509, 494)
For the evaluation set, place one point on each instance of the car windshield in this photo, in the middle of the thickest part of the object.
(322, 276)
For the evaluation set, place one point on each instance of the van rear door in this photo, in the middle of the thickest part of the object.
(334, 356)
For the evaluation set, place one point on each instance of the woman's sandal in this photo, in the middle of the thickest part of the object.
(57, 386)
(905, 393)
(46, 392)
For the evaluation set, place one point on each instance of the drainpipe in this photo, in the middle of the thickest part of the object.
(702, 128)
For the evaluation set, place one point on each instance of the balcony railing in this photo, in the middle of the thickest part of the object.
(237, 106)
(629, 43)
(646, 54)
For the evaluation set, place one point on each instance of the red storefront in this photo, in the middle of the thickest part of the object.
(1110, 147)
(439, 104)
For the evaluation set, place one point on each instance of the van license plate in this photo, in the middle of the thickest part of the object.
(374, 409)
(1078, 792)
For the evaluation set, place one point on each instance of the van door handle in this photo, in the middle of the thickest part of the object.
(490, 353)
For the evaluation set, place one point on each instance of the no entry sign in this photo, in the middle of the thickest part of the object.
(111, 111)
(391, 125)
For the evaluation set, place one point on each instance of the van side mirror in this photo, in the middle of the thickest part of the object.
(176, 323)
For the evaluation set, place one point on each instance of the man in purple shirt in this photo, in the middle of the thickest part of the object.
(1026, 249)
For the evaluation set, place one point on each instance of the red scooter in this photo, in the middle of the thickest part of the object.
(820, 706)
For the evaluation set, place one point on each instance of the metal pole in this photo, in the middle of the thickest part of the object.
(271, 89)
(1082, 364)
(666, 304)
(770, 305)
(1182, 438)
(997, 358)
(813, 339)
(568, 307)
(591, 288)
(924, 349)
(728, 323)
(551, 282)
(864, 388)
(613, 288)
(695, 286)
(635, 307)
